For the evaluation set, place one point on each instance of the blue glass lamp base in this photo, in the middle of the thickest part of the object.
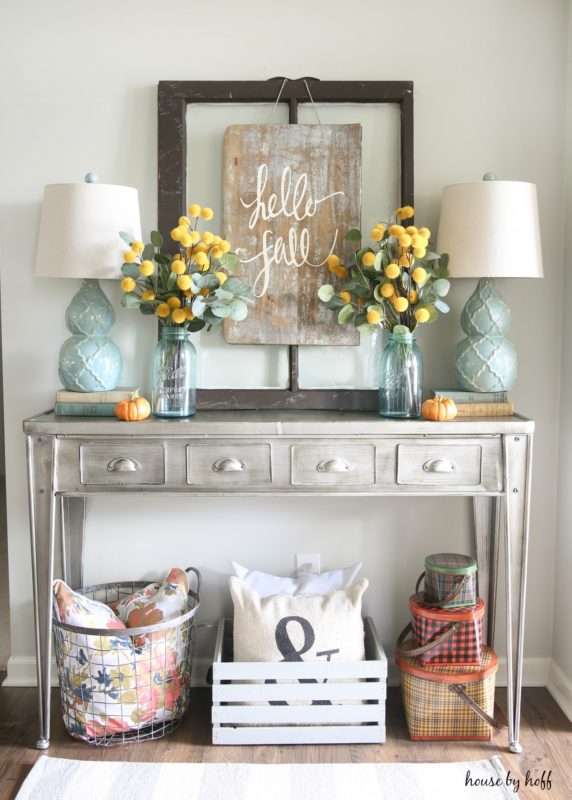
(89, 364)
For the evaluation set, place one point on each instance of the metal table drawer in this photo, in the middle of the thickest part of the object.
(122, 464)
(336, 464)
(450, 464)
(228, 464)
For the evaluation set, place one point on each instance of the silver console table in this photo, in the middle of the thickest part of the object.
(274, 453)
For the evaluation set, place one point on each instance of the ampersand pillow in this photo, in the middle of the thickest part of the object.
(287, 627)
(306, 583)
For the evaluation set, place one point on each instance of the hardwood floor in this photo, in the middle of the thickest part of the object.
(546, 738)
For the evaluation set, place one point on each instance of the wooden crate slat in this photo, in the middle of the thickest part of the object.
(297, 734)
(297, 714)
(240, 692)
(252, 671)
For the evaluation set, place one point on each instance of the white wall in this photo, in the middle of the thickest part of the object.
(560, 683)
(79, 93)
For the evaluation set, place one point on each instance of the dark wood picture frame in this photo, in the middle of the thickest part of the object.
(173, 99)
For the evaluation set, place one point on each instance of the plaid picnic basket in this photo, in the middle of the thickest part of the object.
(449, 702)
(443, 635)
(450, 580)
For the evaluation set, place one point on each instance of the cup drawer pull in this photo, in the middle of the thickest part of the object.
(123, 464)
(438, 465)
(228, 465)
(333, 465)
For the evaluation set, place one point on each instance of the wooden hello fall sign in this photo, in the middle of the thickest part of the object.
(290, 194)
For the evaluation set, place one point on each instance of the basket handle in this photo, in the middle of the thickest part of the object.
(197, 574)
(405, 649)
(440, 603)
(459, 690)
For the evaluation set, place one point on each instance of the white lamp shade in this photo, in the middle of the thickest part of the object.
(490, 229)
(79, 229)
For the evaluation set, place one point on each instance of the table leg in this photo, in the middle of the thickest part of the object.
(41, 456)
(72, 532)
(517, 464)
(486, 514)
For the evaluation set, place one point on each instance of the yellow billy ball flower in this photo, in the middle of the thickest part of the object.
(173, 303)
(341, 272)
(201, 247)
(419, 252)
(405, 213)
(195, 237)
(162, 310)
(419, 275)
(373, 317)
(178, 315)
(345, 297)
(217, 239)
(184, 222)
(137, 247)
(396, 230)
(178, 266)
(186, 240)
(147, 295)
(224, 245)
(332, 261)
(404, 240)
(387, 290)
(194, 210)
(392, 271)
(184, 282)
(422, 315)
(128, 284)
(201, 259)
(146, 268)
(418, 241)
(129, 256)
(207, 237)
(413, 297)
(176, 234)
(404, 261)
(368, 259)
(425, 233)
(188, 313)
(222, 276)
(376, 234)
(216, 251)
(401, 304)
(411, 230)
(188, 293)
(207, 213)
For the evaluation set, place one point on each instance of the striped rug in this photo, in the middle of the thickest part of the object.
(67, 779)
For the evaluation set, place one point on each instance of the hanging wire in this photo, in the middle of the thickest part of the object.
(312, 101)
(284, 82)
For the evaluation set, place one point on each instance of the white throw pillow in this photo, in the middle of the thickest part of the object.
(298, 627)
(323, 583)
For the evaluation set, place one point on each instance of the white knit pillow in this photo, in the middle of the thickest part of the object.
(298, 627)
(307, 583)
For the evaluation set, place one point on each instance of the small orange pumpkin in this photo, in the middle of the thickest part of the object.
(132, 410)
(439, 409)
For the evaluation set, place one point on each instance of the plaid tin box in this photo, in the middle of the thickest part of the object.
(444, 635)
(449, 702)
(450, 580)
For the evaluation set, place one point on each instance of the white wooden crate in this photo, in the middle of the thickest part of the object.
(242, 713)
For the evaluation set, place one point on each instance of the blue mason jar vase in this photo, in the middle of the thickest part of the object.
(174, 374)
(401, 377)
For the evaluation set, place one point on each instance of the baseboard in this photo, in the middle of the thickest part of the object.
(535, 672)
(560, 687)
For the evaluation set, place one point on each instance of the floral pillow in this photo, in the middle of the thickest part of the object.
(156, 602)
(73, 608)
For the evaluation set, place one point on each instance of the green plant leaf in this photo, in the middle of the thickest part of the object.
(326, 292)
(195, 325)
(345, 314)
(199, 306)
(444, 261)
(353, 235)
(156, 239)
(335, 302)
(221, 311)
(366, 328)
(360, 254)
(127, 237)
(163, 258)
(239, 310)
(131, 270)
(360, 319)
(148, 252)
(441, 306)
(358, 288)
(206, 280)
(431, 256)
(222, 294)
(130, 300)
(172, 281)
(377, 293)
(441, 287)
(147, 308)
(401, 329)
(378, 264)
(229, 260)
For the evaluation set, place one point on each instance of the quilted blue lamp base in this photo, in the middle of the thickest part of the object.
(485, 361)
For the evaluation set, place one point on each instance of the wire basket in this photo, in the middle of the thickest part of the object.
(120, 687)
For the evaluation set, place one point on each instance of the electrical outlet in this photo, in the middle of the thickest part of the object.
(306, 562)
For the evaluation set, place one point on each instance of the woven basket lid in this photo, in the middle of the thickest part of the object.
(451, 563)
(450, 673)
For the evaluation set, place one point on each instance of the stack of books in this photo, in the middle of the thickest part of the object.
(478, 404)
(90, 404)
